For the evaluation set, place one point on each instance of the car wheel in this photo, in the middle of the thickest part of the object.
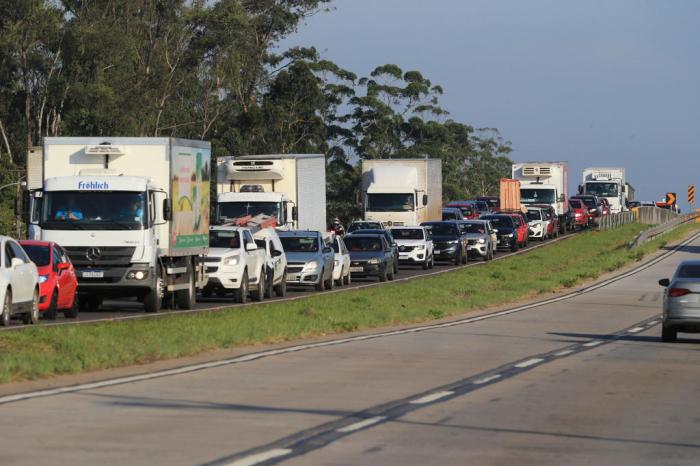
(390, 275)
(396, 267)
(514, 246)
(432, 262)
(50, 313)
(330, 282)
(281, 289)
(348, 278)
(426, 264)
(668, 335)
(259, 294)
(240, 295)
(72, 313)
(32, 317)
(384, 275)
(269, 289)
(6, 309)
(321, 285)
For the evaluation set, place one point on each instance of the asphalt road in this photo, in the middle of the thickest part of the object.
(129, 309)
(583, 380)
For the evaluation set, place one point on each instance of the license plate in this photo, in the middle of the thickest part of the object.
(93, 274)
(357, 269)
(437, 251)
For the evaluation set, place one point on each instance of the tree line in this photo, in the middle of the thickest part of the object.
(215, 70)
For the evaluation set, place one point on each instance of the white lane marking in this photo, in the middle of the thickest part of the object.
(563, 353)
(593, 343)
(430, 398)
(652, 323)
(529, 362)
(361, 424)
(261, 457)
(636, 329)
(487, 379)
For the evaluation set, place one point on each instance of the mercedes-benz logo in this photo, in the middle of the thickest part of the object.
(93, 254)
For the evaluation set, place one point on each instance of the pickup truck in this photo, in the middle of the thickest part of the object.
(268, 240)
(235, 264)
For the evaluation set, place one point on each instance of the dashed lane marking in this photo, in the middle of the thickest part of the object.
(432, 397)
(487, 379)
(563, 353)
(361, 424)
(593, 343)
(261, 457)
(529, 362)
(636, 329)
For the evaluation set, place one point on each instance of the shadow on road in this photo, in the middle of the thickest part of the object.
(687, 248)
(636, 338)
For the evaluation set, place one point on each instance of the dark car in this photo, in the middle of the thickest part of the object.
(389, 239)
(370, 255)
(494, 202)
(449, 241)
(364, 225)
(506, 230)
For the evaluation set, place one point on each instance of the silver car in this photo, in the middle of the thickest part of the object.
(681, 301)
(310, 260)
(481, 238)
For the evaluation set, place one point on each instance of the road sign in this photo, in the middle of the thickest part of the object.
(670, 198)
(691, 194)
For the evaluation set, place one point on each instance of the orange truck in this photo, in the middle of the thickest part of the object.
(510, 194)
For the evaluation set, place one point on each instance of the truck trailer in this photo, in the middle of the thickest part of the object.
(289, 187)
(132, 214)
(608, 183)
(544, 183)
(402, 191)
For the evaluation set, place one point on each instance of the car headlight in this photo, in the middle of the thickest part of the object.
(43, 278)
(311, 266)
(420, 247)
(509, 235)
(233, 260)
(453, 242)
(481, 241)
(374, 261)
(337, 263)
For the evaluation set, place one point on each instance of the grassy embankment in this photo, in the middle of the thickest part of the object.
(44, 352)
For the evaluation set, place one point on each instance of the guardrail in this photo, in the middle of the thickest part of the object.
(616, 220)
(651, 233)
(647, 215)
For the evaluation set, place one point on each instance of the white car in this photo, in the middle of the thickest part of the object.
(268, 241)
(235, 264)
(415, 246)
(537, 222)
(19, 284)
(341, 267)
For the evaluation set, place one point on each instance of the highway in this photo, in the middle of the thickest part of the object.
(579, 380)
(114, 310)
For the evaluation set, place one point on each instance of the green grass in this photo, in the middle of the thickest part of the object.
(47, 351)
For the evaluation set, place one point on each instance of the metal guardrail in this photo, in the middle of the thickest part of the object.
(651, 233)
(647, 215)
(616, 220)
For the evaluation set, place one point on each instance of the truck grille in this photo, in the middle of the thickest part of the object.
(102, 256)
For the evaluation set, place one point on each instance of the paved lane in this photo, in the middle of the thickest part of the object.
(516, 396)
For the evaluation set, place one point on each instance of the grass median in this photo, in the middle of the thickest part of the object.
(48, 351)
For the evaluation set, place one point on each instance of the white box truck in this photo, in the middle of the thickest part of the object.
(132, 214)
(608, 183)
(544, 183)
(402, 191)
(289, 187)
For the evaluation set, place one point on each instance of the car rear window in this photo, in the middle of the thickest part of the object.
(475, 227)
(363, 244)
(38, 254)
(405, 233)
(299, 243)
(576, 204)
(446, 229)
(689, 271)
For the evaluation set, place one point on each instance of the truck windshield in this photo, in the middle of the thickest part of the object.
(532, 196)
(299, 243)
(231, 210)
(224, 239)
(390, 202)
(602, 189)
(94, 210)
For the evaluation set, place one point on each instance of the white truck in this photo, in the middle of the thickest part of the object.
(289, 187)
(545, 183)
(132, 214)
(402, 191)
(608, 183)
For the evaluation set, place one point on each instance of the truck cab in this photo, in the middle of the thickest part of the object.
(230, 206)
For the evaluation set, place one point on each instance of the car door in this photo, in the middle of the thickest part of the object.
(328, 256)
(64, 279)
(21, 275)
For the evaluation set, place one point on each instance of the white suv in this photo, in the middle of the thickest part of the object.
(19, 285)
(268, 240)
(415, 246)
(235, 264)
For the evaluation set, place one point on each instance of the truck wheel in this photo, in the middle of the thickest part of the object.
(240, 295)
(186, 299)
(72, 313)
(6, 309)
(206, 292)
(50, 313)
(259, 294)
(321, 285)
(32, 317)
(153, 300)
(281, 289)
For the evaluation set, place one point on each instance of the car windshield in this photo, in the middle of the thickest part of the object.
(299, 243)
(444, 229)
(231, 210)
(364, 226)
(499, 222)
(93, 210)
(534, 195)
(472, 227)
(482, 206)
(390, 202)
(575, 203)
(589, 201)
(449, 215)
(228, 239)
(358, 244)
(602, 189)
(534, 215)
(465, 209)
(39, 254)
(407, 233)
(492, 202)
(689, 271)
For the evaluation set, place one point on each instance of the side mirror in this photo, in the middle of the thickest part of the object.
(425, 199)
(167, 210)
(15, 262)
(276, 253)
(295, 215)
(664, 282)
(394, 245)
(63, 266)
(580, 189)
(327, 250)
(251, 247)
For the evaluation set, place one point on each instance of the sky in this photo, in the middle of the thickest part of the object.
(591, 82)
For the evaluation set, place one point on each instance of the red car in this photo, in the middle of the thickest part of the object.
(467, 208)
(58, 281)
(581, 215)
(521, 226)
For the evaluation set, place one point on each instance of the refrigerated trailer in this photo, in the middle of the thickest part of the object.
(132, 214)
(608, 183)
(545, 183)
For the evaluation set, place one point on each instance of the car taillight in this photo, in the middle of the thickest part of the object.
(677, 292)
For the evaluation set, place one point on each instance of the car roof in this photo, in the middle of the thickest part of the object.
(437, 222)
(304, 233)
(689, 262)
(366, 235)
(472, 220)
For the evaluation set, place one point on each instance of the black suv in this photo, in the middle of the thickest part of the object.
(370, 255)
(449, 241)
